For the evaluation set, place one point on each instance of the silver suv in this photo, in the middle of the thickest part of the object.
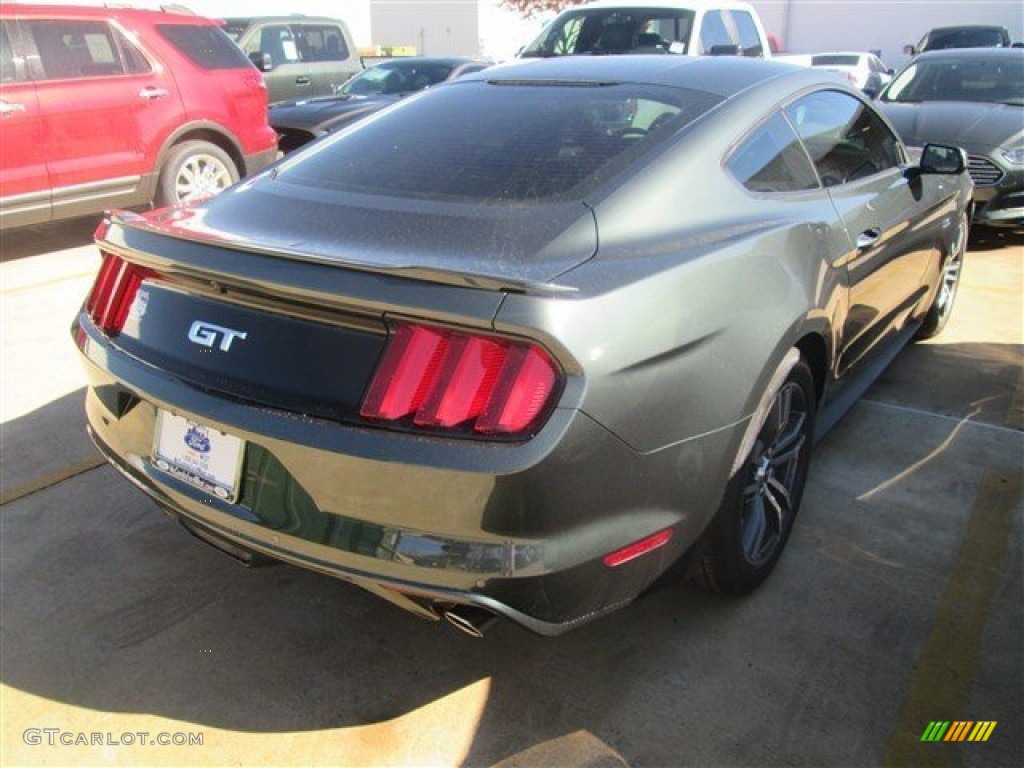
(300, 56)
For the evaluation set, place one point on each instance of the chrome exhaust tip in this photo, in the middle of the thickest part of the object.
(470, 619)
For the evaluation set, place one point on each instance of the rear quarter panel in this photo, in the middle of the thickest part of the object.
(697, 291)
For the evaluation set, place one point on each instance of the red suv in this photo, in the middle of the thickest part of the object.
(112, 108)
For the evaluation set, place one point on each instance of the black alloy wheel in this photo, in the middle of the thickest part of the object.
(753, 525)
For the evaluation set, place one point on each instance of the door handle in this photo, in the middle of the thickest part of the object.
(868, 237)
(7, 109)
(302, 80)
(149, 93)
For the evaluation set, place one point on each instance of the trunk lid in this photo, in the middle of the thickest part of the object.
(517, 247)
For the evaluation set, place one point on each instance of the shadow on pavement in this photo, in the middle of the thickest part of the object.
(976, 381)
(994, 238)
(111, 607)
(43, 238)
(44, 442)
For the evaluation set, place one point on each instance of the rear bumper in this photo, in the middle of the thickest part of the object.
(518, 530)
(257, 161)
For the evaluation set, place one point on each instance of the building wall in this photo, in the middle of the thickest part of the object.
(813, 26)
(432, 27)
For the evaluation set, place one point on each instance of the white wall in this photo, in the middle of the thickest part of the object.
(432, 27)
(813, 26)
(805, 26)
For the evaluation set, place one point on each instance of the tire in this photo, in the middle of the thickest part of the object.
(942, 307)
(750, 530)
(194, 171)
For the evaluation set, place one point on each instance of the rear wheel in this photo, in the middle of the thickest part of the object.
(751, 529)
(194, 171)
(938, 314)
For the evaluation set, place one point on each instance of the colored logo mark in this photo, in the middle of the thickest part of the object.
(197, 440)
(958, 730)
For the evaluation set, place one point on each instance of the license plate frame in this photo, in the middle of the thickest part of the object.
(200, 455)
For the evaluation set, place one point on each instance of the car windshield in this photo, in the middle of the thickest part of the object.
(397, 77)
(964, 38)
(234, 28)
(500, 142)
(636, 30)
(986, 80)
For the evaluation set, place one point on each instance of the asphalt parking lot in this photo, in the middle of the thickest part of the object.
(898, 603)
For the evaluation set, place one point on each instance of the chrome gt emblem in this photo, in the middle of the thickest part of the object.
(206, 334)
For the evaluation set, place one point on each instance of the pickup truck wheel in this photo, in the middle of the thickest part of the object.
(938, 314)
(751, 528)
(194, 171)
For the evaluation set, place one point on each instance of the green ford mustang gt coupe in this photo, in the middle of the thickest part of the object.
(517, 345)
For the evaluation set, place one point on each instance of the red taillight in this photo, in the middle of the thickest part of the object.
(113, 292)
(449, 380)
(638, 548)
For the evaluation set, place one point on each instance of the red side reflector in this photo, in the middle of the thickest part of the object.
(637, 549)
(443, 379)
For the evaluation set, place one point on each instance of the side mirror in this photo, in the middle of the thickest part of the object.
(909, 50)
(264, 62)
(939, 158)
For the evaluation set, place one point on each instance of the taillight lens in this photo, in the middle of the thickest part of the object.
(113, 292)
(444, 380)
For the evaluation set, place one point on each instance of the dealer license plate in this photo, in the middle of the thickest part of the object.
(200, 455)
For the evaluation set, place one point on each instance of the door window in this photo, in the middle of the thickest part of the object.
(772, 160)
(8, 70)
(319, 42)
(71, 49)
(844, 137)
(278, 41)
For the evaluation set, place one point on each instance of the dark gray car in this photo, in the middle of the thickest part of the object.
(517, 345)
(300, 121)
(971, 98)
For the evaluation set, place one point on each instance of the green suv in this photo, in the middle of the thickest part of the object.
(300, 56)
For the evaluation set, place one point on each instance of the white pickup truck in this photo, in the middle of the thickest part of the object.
(683, 27)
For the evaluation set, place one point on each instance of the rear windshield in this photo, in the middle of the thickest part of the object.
(508, 143)
(206, 46)
(620, 30)
(834, 61)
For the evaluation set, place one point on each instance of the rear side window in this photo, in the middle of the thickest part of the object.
(750, 40)
(205, 46)
(846, 140)
(713, 32)
(319, 42)
(523, 145)
(70, 49)
(772, 160)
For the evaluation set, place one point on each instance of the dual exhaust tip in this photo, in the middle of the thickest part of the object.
(470, 619)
